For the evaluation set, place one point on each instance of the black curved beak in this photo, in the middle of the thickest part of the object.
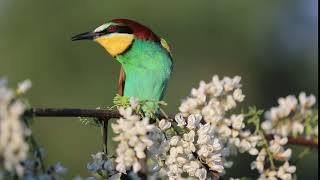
(85, 36)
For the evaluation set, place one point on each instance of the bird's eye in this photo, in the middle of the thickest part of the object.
(112, 29)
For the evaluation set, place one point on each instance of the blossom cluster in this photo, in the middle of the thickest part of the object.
(133, 140)
(276, 151)
(284, 172)
(292, 117)
(19, 153)
(194, 142)
(195, 150)
(185, 145)
(214, 99)
(13, 131)
(103, 166)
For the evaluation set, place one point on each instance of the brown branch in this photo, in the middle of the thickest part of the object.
(301, 141)
(108, 114)
(73, 112)
(102, 114)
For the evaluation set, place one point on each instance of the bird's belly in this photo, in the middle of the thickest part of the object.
(146, 88)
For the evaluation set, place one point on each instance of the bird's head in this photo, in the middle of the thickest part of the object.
(117, 35)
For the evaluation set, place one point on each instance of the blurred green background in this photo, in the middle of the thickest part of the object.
(271, 44)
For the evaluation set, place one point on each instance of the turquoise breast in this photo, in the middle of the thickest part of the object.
(147, 66)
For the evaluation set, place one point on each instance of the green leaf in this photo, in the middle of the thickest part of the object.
(121, 101)
(90, 121)
(179, 130)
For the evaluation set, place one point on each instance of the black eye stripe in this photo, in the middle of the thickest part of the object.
(119, 29)
(124, 29)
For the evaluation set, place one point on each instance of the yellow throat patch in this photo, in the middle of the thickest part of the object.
(115, 43)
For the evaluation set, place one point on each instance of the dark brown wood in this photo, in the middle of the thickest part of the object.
(301, 141)
(105, 115)
(73, 112)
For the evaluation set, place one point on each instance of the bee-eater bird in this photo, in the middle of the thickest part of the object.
(145, 58)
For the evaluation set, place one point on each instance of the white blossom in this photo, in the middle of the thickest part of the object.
(278, 152)
(306, 101)
(260, 161)
(13, 131)
(268, 175)
(201, 173)
(231, 83)
(297, 128)
(180, 119)
(213, 99)
(276, 147)
(237, 121)
(238, 96)
(212, 102)
(132, 135)
(174, 140)
(184, 151)
(290, 116)
(134, 102)
(207, 131)
(193, 121)
(24, 86)
(164, 124)
(285, 171)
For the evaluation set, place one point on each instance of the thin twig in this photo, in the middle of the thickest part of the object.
(104, 133)
(266, 145)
